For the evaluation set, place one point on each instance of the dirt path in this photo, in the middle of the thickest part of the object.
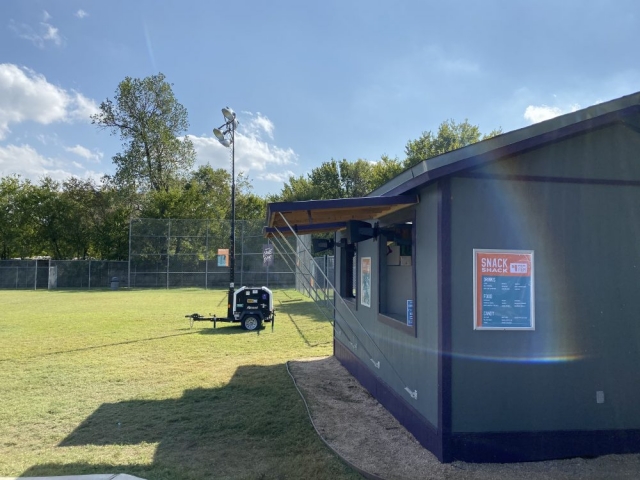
(369, 437)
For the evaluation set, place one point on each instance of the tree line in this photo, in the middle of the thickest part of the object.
(154, 178)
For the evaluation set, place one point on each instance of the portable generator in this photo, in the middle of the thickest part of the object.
(251, 307)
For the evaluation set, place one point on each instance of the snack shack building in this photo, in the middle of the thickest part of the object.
(489, 297)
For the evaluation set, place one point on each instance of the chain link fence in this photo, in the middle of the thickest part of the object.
(170, 253)
(178, 253)
(52, 274)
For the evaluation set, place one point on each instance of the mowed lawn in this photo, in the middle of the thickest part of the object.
(109, 382)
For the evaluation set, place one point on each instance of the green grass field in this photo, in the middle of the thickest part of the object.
(109, 382)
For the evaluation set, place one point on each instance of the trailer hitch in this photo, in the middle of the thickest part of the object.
(196, 317)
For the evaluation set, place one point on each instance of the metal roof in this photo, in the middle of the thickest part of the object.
(314, 216)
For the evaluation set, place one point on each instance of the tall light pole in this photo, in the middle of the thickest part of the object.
(226, 135)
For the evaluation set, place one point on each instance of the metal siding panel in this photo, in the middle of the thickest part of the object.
(609, 153)
(587, 260)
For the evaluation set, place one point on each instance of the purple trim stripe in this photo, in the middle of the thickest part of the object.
(408, 416)
(359, 202)
(341, 203)
(301, 229)
(444, 318)
(507, 447)
(536, 178)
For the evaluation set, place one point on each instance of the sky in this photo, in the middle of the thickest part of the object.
(309, 81)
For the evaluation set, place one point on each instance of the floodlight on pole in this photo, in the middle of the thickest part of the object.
(226, 134)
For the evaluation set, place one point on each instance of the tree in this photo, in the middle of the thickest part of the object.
(15, 229)
(111, 210)
(451, 136)
(150, 122)
(384, 170)
(355, 178)
(297, 189)
(47, 213)
(342, 179)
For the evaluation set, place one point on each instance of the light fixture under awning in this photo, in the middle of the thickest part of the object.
(315, 216)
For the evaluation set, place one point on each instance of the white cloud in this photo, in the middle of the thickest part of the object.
(81, 14)
(25, 161)
(40, 35)
(85, 153)
(540, 113)
(51, 33)
(81, 107)
(254, 156)
(259, 123)
(28, 96)
(281, 177)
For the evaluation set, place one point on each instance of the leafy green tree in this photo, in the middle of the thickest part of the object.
(15, 228)
(111, 211)
(355, 178)
(205, 194)
(150, 123)
(326, 181)
(384, 170)
(78, 199)
(47, 211)
(331, 179)
(297, 189)
(450, 136)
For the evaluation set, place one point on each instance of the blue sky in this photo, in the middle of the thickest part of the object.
(310, 81)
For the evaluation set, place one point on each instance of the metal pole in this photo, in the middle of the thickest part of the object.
(89, 274)
(232, 248)
(35, 281)
(206, 259)
(168, 248)
(129, 261)
(242, 254)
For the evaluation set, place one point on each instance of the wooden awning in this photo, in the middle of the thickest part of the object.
(314, 216)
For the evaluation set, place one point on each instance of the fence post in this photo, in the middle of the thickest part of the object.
(89, 274)
(168, 248)
(35, 277)
(242, 255)
(129, 259)
(206, 259)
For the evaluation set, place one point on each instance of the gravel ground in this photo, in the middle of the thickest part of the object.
(369, 437)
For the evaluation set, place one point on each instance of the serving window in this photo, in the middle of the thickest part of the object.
(348, 272)
(397, 275)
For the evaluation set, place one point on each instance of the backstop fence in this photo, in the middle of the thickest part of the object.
(171, 253)
(194, 253)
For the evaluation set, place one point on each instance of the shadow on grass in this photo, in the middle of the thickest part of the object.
(253, 427)
(233, 329)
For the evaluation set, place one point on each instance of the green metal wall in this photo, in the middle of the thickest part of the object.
(586, 239)
(414, 358)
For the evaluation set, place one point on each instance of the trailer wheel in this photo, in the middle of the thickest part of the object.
(251, 323)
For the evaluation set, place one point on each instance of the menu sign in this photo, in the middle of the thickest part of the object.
(503, 289)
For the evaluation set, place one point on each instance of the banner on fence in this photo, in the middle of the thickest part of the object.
(223, 257)
(267, 255)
